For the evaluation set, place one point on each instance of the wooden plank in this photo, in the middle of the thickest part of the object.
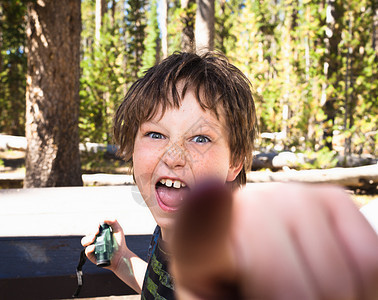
(24, 257)
(40, 233)
(72, 210)
(45, 268)
(63, 287)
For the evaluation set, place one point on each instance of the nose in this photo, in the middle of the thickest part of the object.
(174, 156)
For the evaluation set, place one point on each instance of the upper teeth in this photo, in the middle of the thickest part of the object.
(175, 183)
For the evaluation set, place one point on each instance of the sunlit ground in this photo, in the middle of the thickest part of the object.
(362, 200)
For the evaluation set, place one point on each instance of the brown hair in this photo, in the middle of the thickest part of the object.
(216, 83)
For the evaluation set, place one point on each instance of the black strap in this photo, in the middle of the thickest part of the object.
(79, 273)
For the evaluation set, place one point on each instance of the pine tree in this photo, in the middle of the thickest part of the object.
(151, 54)
(12, 67)
(136, 23)
(332, 65)
(226, 17)
(188, 8)
(175, 26)
(102, 79)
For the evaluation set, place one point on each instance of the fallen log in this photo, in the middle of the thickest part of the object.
(277, 160)
(9, 142)
(365, 177)
(16, 180)
(12, 142)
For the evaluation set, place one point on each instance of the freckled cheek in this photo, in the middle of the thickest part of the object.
(145, 159)
(209, 164)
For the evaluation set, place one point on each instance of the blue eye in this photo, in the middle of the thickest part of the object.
(155, 135)
(201, 139)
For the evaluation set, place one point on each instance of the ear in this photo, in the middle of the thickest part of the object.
(234, 171)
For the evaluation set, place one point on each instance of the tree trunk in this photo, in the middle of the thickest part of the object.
(100, 11)
(112, 14)
(375, 27)
(348, 107)
(52, 94)
(187, 37)
(332, 67)
(18, 97)
(204, 32)
(1, 36)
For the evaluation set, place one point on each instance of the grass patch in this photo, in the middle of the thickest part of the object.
(100, 162)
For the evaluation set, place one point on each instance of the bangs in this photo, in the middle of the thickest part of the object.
(163, 88)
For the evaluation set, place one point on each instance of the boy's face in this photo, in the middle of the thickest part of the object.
(174, 151)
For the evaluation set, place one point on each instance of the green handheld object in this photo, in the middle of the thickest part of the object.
(104, 246)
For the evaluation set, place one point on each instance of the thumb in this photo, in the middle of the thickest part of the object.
(202, 262)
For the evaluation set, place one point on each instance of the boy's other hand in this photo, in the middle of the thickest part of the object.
(274, 241)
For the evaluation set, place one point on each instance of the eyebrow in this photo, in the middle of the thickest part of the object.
(206, 126)
(210, 124)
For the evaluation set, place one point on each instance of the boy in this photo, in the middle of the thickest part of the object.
(188, 119)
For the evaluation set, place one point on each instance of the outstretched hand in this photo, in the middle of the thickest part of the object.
(273, 241)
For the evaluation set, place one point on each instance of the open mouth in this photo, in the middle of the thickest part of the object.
(170, 193)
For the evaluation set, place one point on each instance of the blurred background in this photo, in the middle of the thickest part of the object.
(66, 65)
(313, 66)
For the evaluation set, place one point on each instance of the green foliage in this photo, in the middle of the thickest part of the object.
(136, 22)
(311, 87)
(101, 80)
(175, 26)
(226, 13)
(110, 64)
(12, 67)
(284, 50)
(321, 159)
(151, 54)
(99, 163)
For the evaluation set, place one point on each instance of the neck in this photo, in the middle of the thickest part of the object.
(166, 236)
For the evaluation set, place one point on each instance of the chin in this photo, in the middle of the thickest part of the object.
(165, 223)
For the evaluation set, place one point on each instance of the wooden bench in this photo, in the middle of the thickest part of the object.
(40, 233)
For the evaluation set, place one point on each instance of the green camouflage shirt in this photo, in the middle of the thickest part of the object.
(158, 283)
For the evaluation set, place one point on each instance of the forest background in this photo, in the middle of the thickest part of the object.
(313, 65)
